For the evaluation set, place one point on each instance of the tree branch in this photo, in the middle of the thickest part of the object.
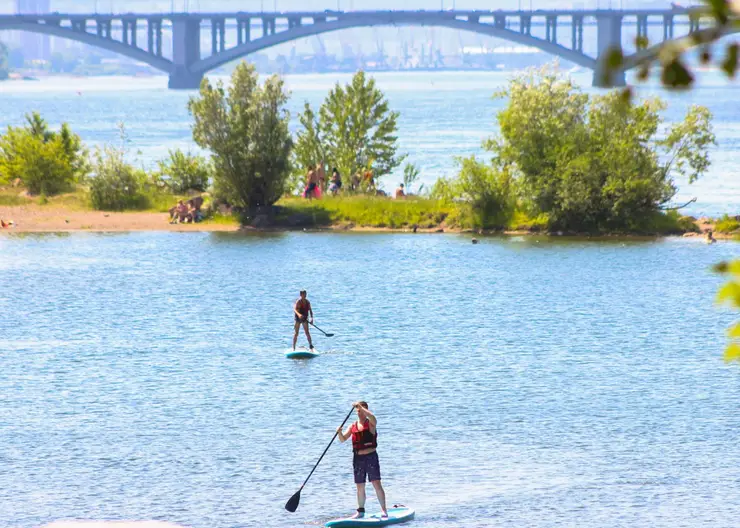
(679, 207)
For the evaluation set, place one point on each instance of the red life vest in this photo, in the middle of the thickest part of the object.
(303, 306)
(364, 439)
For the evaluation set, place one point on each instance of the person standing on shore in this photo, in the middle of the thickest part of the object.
(321, 176)
(336, 182)
(301, 312)
(310, 182)
(365, 462)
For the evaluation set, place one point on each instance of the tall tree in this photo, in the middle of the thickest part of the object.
(355, 130)
(246, 130)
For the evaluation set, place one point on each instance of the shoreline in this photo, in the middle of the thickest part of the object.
(42, 219)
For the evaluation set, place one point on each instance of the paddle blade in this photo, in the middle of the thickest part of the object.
(292, 504)
(329, 335)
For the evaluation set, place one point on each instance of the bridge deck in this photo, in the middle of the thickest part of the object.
(329, 12)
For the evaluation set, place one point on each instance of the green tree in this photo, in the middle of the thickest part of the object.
(47, 162)
(246, 131)
(41, 165)
(355, 130)
(185, 172)
(116, 185)
(4, 64)
(410, 176)
(594, 163)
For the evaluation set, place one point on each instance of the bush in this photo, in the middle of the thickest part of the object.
(185, 172)
(687, 224)
(520, 221)
(484, 195)
(46, 162)
(117, 185)
(726, 224)
(596, 163)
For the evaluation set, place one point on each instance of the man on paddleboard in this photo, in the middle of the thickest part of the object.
(365, 461)
(301, 311)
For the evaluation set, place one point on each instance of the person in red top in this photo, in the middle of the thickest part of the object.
(301, 311)
(365, 462)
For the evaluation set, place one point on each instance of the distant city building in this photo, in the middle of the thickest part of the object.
(34, 46)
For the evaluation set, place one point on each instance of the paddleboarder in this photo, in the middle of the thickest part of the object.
(301, 312)
(365, 462)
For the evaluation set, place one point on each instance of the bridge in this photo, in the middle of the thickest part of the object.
(140, 36)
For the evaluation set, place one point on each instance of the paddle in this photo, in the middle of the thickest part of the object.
(320, 330)
(292, 503)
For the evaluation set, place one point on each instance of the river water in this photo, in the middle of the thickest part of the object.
(443, 115)
(518, 382)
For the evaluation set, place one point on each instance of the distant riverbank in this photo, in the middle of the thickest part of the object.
(67, 214)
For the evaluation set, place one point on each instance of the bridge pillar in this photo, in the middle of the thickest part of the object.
(185, 53)
(609, 38)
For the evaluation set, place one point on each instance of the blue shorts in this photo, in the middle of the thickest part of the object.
(366, 466)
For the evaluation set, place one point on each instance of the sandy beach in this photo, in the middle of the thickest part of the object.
(35, 218)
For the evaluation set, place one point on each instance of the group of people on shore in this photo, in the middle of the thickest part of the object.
(316, 183)
(187, 212)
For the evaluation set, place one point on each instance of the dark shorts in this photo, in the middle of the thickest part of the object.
(311, 188)
(300, 319)
(366, 466)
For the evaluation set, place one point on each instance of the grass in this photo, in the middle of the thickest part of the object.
(76, 200)
(660, 223)
(726, 224)
(520, 221)
(219, 219)
(11, 197)
(366, 211)
(160, 202)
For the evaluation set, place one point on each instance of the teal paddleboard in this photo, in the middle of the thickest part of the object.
(300, 353)
(395, 516)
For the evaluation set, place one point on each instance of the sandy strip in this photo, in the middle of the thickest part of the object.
(47, 219)
(50, 219)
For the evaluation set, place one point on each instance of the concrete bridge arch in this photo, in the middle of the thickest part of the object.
(186, 67)
(204, 65)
